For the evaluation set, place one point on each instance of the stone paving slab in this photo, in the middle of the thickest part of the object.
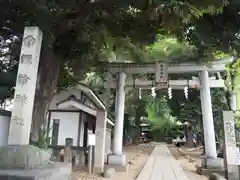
(161, 165)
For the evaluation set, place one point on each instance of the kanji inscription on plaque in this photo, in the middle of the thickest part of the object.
(26, 59)
(21, 98)
(22, 79)
(230, 130)
(29, 41)
(18, 120)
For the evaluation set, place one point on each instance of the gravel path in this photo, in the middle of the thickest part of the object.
(189, 167)
(137, 156)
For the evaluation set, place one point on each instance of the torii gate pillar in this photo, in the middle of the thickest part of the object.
(118, 158)
(210, 160)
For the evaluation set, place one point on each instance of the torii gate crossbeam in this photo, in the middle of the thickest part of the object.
(183, 68)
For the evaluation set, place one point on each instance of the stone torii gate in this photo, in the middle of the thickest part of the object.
(161, 72)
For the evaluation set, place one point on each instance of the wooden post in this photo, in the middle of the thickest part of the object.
(90, 160)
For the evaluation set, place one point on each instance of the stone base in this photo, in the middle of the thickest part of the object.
(208, 172)
(25, 162)
(233, 172)
(108, 172)
(212, 163)
(117, 168)
(51, 171)
(208, 166)
(106, 155)
(23, 157)
(118, 162)
(215, 176)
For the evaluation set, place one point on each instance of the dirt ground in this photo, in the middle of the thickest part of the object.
(137, 156)
(188, 165)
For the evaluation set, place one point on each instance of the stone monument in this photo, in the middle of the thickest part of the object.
(19, 160)
(231, 151)
(21, 118)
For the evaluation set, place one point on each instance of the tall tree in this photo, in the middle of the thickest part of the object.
(160, 118)
(215, 32)
(76, 31)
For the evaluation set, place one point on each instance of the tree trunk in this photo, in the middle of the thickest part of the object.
(48, 73)
(190, 142)
(189, 134)
(158, 135)
(137, 131)
(202, 138)
(140, 109)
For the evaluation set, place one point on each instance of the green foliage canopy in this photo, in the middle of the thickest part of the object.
(89, 31)
(159, 115)
(76, 33)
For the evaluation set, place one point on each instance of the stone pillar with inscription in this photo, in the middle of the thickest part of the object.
(231, 151)
(21, 118)
(18, 159)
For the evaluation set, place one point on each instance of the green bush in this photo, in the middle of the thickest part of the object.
(162, 123)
